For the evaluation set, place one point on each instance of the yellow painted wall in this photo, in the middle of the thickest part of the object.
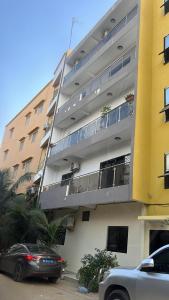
(141, 170)
(151, 131)
(21, 130)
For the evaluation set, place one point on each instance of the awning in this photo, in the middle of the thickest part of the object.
(165, 108)
(153, 218)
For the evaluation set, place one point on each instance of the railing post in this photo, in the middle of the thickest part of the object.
(119, 114)
(114, 176)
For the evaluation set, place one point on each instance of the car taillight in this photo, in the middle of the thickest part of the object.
(30, 257)
(60, 259)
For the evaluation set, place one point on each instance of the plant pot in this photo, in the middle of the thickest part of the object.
(129, 98)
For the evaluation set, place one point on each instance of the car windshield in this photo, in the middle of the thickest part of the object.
(40, 249)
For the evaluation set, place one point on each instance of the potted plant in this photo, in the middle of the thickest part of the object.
(129, 97)
(105, 110)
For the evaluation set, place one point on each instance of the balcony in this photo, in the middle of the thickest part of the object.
(108, 185)
(117, 34)
(112, 81)
(52, 103)
(93, 137)
(46, 136)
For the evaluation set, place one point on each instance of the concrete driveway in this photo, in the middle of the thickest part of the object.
(40, 290)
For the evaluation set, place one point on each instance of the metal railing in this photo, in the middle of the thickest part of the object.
(95, 85)
(114, 116)
(108, 177)
(112, 176)
(111, 34)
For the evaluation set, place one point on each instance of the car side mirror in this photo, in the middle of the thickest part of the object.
(147, 263)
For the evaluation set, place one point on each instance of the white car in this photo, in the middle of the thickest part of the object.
(149, 281)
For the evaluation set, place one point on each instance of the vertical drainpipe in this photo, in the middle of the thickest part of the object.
(52, 127)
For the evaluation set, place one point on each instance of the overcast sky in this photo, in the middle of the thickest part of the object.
(33, 36)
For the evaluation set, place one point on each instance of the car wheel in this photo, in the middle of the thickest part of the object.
(18, 273)
(52, 279)
(118, 295)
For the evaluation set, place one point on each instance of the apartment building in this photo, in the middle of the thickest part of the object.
(108, 163)
(26, 137)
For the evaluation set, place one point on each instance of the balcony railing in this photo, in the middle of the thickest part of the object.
(95, 85)
(113, 117)
(111, 34)
(108, 177)
(112, 176)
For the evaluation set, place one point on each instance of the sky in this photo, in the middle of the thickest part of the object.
(34, 35)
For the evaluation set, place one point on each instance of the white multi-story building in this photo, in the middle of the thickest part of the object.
(88, 171)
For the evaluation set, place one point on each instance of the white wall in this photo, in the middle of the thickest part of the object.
(93, 234)
(91, 164)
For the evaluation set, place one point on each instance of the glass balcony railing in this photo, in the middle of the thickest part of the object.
(114, 116)
(112, 176)
(108, 177)
(111, 34)
(95, 85)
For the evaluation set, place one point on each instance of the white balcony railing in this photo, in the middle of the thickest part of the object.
(110, 35)
(95, 85)
(114, 116)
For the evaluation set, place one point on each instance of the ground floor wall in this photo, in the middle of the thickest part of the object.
(88, 235)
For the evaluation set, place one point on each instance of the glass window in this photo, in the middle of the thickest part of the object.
(26, 165)
(166, 42)
(32, 135)
(21, 144)
(117, 239)
(166, 163)
(27, 119)
(11, 131)
(6, 154)
(39, 108)
(66, 179)
(166, 96)
(166, 6)
(15, 171)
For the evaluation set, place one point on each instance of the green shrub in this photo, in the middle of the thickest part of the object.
(93, 268)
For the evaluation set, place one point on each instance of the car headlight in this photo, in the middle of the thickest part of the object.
(106, 274)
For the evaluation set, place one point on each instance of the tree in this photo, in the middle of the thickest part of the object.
(22, 220)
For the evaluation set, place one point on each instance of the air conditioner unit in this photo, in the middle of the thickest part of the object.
(70, 223)
(75, 166)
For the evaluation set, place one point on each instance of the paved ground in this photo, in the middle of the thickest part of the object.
(40, 290)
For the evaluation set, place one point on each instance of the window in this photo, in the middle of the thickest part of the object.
(6, 154)
(166, 104)
(26, 165)
(11, 131)
(166, 171)
(39, 108)
(33, 134)
(166, 6)
(66, 178)
(166, 49)
(117, 239)
(85, 216)
(27, 119)
(21, 144)
(15, 171)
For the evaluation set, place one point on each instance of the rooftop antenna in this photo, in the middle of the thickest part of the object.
(74, 20)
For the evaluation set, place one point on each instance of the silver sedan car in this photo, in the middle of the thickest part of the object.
(149, 281)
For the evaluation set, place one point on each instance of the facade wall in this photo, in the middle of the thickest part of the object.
(93, 234)
(88, 165)
(151, 130)
(21, 130)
